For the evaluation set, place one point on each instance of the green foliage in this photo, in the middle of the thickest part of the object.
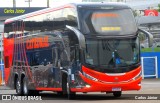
(141, 36)
(157, 49)
(135, 13)
(158, 7)
(146, 50)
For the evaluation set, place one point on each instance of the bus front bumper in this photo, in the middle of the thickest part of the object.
(97, 86)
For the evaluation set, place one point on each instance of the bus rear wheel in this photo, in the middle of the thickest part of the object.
(19, 87)
(25, 87)
(117, 93)
(26, 91)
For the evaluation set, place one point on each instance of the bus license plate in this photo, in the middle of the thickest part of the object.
(116, 89)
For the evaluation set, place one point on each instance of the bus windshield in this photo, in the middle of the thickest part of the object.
(112, 53)
(99, 21)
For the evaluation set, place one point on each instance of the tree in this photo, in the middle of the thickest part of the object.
(135, 13)
(158, 7)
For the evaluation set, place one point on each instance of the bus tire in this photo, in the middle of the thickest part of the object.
(64, 82)
(34, 92)
(26, 92)
(71, 95)
(60, 93)
(66, 88)
(19, 89)
(117, 93)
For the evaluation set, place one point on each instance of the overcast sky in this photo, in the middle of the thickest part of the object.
(33, 3)
(137, 4)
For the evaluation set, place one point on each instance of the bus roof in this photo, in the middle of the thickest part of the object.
(71, 5)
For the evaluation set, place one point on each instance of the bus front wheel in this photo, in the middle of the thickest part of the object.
(70, 94)
(66, 88)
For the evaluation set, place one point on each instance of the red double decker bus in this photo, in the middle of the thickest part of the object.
(77, 47)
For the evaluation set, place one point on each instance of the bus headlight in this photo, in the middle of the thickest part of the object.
(89, 77)
(88, 86)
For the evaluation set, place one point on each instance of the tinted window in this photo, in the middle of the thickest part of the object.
(107, 21)
(110, 53)
(51, 21)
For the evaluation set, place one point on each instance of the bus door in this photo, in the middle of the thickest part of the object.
(75, 59)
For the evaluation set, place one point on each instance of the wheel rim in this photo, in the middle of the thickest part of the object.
(68, 90)
(18, 86)
(25, 88)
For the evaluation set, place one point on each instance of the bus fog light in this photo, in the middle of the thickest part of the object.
(139, 83)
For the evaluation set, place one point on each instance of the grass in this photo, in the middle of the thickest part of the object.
(157, 49)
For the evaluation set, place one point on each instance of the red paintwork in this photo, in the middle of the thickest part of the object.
(48, 89)
(97, 86)
(8, 51)
(106, 78)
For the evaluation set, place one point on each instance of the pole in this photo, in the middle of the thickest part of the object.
(142, 63)
(29, 3)
(48, 3)
(14, 3)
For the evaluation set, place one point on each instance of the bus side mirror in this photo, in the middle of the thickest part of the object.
(147, 34)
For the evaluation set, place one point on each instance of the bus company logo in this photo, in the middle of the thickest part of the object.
(39, 42)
